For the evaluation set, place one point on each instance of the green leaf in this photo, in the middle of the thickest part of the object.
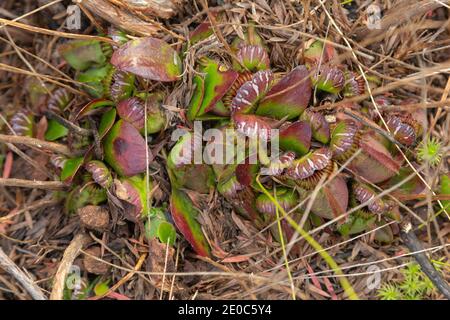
(92, 106)
(184, 215)
(106, 122)
(55, 130)
(82, 54)
(70, 168)
(167, 233)
(101, 288)
(445, 190)
(93, 80)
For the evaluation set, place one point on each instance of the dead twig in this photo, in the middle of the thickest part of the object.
(69, 256)
(40, 144)
(414, 245)
(10, 267)
(46, 185)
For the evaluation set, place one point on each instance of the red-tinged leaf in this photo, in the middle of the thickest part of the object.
(296, 137)
(184, 215)
(332, 199)
(319, 52)
(70, 169)
(253, 58)
(252, 126)
(375, 163)
(201, 32)
(132, 110)
(106, 122)
(149, 58)
(248, 95)
(125, 149)
(92, 106)
(289, 97)
(133, 190)
(217, 82)
(246, 173)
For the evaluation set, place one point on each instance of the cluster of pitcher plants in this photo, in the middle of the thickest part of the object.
(328, 162)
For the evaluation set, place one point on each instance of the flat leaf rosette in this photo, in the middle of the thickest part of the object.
(209, 90)
(308, 170)
(289, 97)
(125, 150)
(184, 215)
(149, 58)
